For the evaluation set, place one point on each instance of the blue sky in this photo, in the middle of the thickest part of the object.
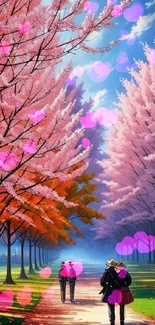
(105, 91)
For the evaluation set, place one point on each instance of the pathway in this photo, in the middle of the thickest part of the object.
(87, 308)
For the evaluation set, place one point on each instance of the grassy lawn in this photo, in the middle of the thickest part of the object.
(143, 289)
(37, 284)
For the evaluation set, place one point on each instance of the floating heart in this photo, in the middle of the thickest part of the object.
(8, 160)
(102, 69)
(88, 120)
(45, 273)
(86, 142)
(29, 147)
(6, 300)
(143, 242)
(91, 7)
(117, 11)
(27, 290)
(36, 116)
(5, 48)
(122, 57)
(133, 13)
(78, 71)
(24, 298)
(75, 270)
(122, 274)
(71, 80)
(124, 249)
(24, 28)
(115, 297)
(105, 117)
(48, 294)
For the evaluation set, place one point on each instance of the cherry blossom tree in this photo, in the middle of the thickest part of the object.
(128, 171)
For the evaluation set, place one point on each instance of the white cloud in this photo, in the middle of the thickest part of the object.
(99, 97)
(149, 4)
(95, 37)
(143, 24)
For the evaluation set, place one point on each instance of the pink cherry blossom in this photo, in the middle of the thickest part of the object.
(29, 147)
(152, 56)
(24, 28)
(5, 48)
(116, 11)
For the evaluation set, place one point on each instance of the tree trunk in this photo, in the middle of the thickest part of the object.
(8, 279)
(154, 256)
(35, 258)
(31, 270)
(149, 259)
(137, 255)
(40, 262)
(22, 270)
(133, 256)
(43, 256)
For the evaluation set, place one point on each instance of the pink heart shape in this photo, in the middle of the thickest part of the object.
(5, 48)
(86, 142)
(91, 7)
(24, 298)
(8, 160)
(124, 249)
(117, 11)
(75, 270)
(88, 120)
(45, 273)
(6, 300)
(102, 69)
(24, 28)
(115, 297)
(29, 147)
(48, 294)
(105, 117)
(122, 274)
(36, 116)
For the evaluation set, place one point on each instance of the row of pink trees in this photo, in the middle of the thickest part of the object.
(36, 123)
(128, 171)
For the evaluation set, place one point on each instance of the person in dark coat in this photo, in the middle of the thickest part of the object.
(113, 283)
(72, 280)
(124, 280)
(62, 276)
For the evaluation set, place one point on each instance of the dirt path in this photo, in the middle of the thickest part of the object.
(87, 308)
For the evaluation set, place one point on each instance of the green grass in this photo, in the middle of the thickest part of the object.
(143, 289)
(37, 284)
(5, 320)
(144, 306)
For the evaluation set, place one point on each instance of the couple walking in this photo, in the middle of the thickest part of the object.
(67, 273)
(115, 282)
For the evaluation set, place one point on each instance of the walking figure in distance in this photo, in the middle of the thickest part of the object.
(72, 280)
(62, 276)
